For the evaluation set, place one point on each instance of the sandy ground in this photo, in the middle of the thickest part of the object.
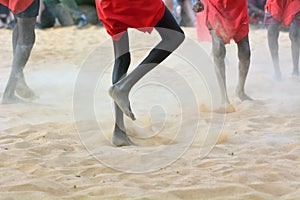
(45, 154)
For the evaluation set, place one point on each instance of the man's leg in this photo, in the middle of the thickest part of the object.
(219, 52)
(295, 40)
(273, 34)
(122, 62)
(23, 40)
(172, 36)
(244, 63)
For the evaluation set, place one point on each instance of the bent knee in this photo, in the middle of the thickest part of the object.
(177, 38)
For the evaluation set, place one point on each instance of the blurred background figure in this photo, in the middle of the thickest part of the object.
(256, 12)
(182, 11)
(67, 13)
(188, 17)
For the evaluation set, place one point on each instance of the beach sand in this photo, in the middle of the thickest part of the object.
(51, 147)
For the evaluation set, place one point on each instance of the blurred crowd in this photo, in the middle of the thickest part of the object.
(83, 12)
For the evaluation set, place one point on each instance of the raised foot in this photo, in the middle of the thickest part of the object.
(122, 100)
(11, 100)
(121, 139)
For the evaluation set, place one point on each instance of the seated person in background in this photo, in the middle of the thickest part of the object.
(256, 11)
(64, 9)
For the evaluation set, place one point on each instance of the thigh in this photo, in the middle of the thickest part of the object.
(121, 46)
(31, 11)
(168, 22)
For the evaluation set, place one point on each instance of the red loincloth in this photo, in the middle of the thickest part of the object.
(283, 11)
(17, 6)
(119, 15)
(228, 18)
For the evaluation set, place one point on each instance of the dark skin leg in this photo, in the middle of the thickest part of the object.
(219, 52)
(121, 88)
(273, 34)
(295, 40)
(122, 62)
(23, 40)
(244, 63)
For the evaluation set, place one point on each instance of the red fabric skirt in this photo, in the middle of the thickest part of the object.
(119, 15)
(228, 18)
(17, 6)
(283, 11)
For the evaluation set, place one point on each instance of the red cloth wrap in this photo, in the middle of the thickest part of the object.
(228, 18)
(119, 15)
(17, 6)
(283, 11)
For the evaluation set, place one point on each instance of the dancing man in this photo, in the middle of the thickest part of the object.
(117, 16)
(226, 20)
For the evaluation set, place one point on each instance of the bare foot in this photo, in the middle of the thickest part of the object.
(121, 98)
(243, 96)
(120, 139)
(11, 100)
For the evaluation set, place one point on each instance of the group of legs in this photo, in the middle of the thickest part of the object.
(171, 37)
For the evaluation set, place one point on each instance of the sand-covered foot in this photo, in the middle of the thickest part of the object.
(24, 91)
(243, 96)
(226, 108)
(120, 139)
(121, 98)
(11, 100)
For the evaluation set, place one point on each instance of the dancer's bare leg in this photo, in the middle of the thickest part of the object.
(23, 40)
(244, 63)
(172, 36)
(295, 40)
(273, 34)
(122, 62)
(219, 52)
